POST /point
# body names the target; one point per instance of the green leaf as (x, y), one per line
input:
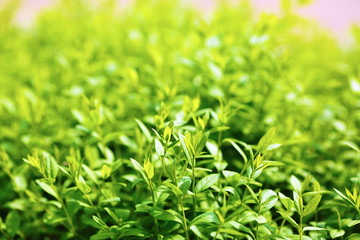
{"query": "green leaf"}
(207, 182)
(159, 148)
(343, 196)
(185, 148)
(353, 223)
(138, 233)
(102, 235)
(298, 202)
(205, 218)
(354, 236)
(289, 219)
(201, 144)
(295, 183)
(91, 173)
(174, 189)
(105, 171)
(266, 140)
(184, 184)
(139, 168)
(112, 214)
(312, 204)
(351, 145)
(123, 213)
(232, 232)
(268, 199)
(165, 215)
(12, 223)
(287, 202)
(144, 130)
(252, 193)
(335, 233)
(149, 169)
(197, 232)
(239, 150)
(65, 172)
(242, 228)
(306, 182)
(46, 187)
(314, 229)
(110, 200)
(100, 222)
(81, 184)
(51, 169)
(20, 183)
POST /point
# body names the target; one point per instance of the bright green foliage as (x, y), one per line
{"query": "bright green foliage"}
(155, 122)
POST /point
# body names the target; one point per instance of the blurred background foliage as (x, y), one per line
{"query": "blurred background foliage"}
(82, 74)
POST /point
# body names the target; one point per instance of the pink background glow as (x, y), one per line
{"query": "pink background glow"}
(335, 15)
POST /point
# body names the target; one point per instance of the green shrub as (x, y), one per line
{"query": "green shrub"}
(155, 122)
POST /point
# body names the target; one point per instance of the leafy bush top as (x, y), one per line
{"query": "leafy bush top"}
(153, 122)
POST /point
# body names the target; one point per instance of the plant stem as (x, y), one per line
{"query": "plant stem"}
(68, 217)
(300, 228)
(162, 163)
(92, 205)
(219, 149)
(185, 223)
(257, 225)
(193, 188)
(281, 226)
(5, 234)
(218, 231)
(155, 220)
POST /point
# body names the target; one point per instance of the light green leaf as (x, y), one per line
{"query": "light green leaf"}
(105, 171)
(312, 204)
(298, 202)
(268, 199)
(207, 182)
(184, 184)
(335, 233)
(252, 193)
(185, 149)
(112, 214)
(81, 184)
(205, 218)
(100, 222)
(351, 145)
(46, 187)
(197, 232)
(242, 228)
(314, 229)
(144, 130)
(20, 183)
(201, 144)
(139, 168)
(165, 215)
(287, 202)
(174, 189)
(295, 183)
(266, 140)
(90, 173)
(110, 200)
(239, 150)
(232, 232)
(289, 219)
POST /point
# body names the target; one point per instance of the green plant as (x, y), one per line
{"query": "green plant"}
(155, 122)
